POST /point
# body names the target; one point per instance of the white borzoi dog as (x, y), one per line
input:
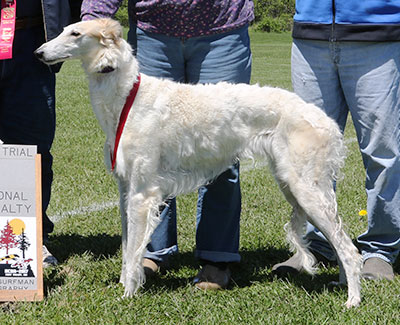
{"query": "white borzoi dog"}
(178, 137)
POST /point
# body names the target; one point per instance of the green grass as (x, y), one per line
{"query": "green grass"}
(84, 288)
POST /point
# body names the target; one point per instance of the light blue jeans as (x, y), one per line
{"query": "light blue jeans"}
(362, 78)
(208, 59)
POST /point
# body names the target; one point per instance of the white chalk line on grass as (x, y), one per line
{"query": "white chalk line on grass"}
(96, 207)
(245, 167)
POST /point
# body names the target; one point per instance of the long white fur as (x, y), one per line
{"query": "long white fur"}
(179, 137)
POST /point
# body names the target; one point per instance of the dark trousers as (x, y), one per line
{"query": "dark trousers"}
(27, 105)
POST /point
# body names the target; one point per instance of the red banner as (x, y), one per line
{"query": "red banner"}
(7, 27)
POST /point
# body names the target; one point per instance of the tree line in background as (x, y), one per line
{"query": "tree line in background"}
(270, 15)
(273, 15)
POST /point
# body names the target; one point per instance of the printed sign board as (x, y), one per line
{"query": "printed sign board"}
(21, 269)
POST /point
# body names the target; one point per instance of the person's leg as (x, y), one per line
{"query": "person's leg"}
(27, 111)
(164, 239)
(160, 56)
(27, 106)
(371, 83)
(315, 79)
(225, 57)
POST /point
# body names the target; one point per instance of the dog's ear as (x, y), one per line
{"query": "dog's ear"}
(111, 33)
(110, 36)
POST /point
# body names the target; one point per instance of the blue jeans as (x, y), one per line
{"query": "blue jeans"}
(208, 59)
(27, 105)
(362, 78)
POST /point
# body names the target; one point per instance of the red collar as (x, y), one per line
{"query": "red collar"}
(122, 119)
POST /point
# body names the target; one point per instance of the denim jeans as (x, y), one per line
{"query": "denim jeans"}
(362, 78)
(208, 59)
(27, 105)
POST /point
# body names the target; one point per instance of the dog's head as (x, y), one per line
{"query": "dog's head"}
(97, 43)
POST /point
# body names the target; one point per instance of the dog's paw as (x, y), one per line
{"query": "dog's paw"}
(128, 293)
(353, 302)
(131, 288)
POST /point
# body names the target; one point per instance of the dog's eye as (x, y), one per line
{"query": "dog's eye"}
(75, 33)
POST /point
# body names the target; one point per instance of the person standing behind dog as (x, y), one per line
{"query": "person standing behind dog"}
(345, 57)
(27, 89)
(193, 42)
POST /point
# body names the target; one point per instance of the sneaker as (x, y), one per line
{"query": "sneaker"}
(48, 258)
(293, 265)
(376, 268)
(213, 276)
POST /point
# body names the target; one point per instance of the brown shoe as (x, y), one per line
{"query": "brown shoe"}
(376, 268)
(150, 267)
(215, 276)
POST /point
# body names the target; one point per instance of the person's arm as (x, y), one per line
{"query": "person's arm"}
(99, 8)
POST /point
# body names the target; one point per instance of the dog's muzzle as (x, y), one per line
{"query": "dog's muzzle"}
(39, 54)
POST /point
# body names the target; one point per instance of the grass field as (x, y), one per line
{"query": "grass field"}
(84, 288)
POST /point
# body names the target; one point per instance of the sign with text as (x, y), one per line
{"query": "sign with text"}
(21, 269)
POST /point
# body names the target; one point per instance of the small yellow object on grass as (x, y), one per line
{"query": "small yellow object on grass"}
(362, 213)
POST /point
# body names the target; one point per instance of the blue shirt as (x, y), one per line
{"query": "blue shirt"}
(347, 20)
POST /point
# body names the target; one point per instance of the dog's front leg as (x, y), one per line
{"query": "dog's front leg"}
(142, 219)
(123, 194)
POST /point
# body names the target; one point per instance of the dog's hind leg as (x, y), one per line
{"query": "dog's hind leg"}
(295, 235)
(142, 219)
(349, 259)
(305, 160)
(320, 206)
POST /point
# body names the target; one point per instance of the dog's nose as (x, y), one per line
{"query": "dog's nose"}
(38, 53)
